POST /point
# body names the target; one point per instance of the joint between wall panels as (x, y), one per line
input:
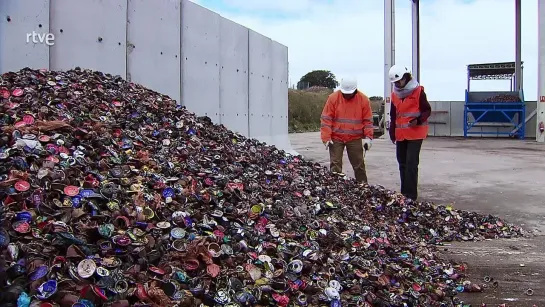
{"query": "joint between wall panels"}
(220, 104)
(127, 70)
(248, 81)
(49, 5)
(182, 53)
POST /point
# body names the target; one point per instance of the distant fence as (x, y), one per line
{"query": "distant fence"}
(213, 66)
(448, 120)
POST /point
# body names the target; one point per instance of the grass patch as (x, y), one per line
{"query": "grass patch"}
(305, 108)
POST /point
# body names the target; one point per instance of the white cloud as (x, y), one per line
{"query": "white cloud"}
(347, 38)
(283, 5)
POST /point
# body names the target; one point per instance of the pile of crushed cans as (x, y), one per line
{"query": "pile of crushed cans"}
(112, 195)
(503, 98)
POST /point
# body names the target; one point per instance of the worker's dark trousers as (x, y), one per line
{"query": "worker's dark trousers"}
(408, 153)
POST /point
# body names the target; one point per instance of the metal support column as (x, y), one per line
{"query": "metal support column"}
(518, 42)
(416, 39)
(540, 136)
(389, 55)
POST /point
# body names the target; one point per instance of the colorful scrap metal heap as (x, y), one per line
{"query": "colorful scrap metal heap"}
(114, 196)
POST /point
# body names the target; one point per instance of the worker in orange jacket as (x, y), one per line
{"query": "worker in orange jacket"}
(347, 121)
(409, 115)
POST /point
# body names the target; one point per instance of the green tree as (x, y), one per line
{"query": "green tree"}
(376, 98)
(323, 78)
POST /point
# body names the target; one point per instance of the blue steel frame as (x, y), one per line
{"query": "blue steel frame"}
(507, 109)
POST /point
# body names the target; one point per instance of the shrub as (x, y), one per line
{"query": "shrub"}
(304, 110)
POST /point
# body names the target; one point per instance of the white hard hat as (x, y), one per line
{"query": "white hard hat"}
(397, 72)
(348, 85)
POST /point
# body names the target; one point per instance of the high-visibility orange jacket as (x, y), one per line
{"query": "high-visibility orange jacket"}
(407, 110)
(346, 120)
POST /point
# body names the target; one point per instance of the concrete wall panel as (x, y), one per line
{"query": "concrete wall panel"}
(474, 130)
(456, 117)
(442, 127)
(153, 51)
(234, 76)
(24, 17)
(531, 125)
(493, 130)
(506, 129)
(201, 60)
(279, 79)
(89, 34)
(431, 130)
(260, 87)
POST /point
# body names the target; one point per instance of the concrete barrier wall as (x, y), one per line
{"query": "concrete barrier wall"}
(448, 120)
(209, 64)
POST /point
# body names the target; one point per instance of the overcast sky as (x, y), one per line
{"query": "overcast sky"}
(347, 37)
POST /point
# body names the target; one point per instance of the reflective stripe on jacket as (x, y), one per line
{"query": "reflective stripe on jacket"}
(346, 120)
(406, 110)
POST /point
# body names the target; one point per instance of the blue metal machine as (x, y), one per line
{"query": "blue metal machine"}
(505, 111)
